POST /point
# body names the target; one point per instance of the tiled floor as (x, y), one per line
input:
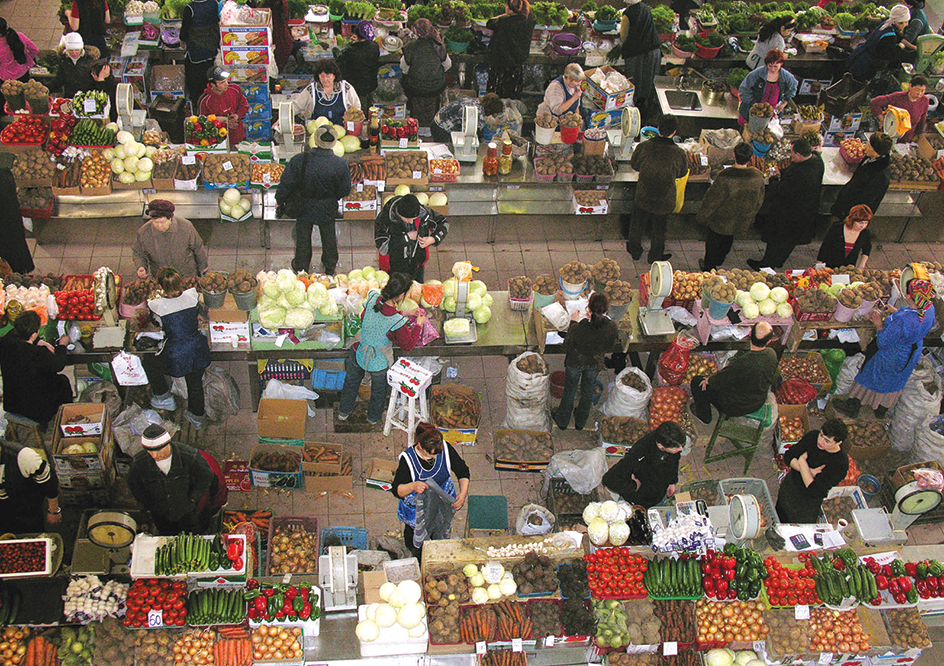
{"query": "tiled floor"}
(37, 19)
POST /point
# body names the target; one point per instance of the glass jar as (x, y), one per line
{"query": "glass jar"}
(490, 163)
(506, 160)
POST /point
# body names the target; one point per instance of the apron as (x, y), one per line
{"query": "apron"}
(560, 80)
(186, 349)
(331, 108)
(440, 473)
(375, 351)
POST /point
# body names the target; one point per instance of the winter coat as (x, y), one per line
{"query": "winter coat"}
(359, 63)
(793, 202)
(390, 235)
(10, 69)
(752, 87)
(643, 35)
(899, 348)
(733, 200)
(656, 470)
(659, 163)
(13, 247)
(756, 57)
(174, 495)
(879, 50)
(74, 76)
(425, 75)
(180, 246)
(867, 186)
(325, 180)
(511, 39)
(200, 30)
(32, 385)
(229, 103)
(833, 250)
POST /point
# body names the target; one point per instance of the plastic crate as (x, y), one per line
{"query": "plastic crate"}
(292, 523)
(355, 538)
(757, 488)
(708, 490)
(327, 380)
(558, 489)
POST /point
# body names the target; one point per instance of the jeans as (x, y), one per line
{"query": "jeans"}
(717, 247)
(379, 390)
(329, 239)
(154, 369)
(586, 378)
(637, 226)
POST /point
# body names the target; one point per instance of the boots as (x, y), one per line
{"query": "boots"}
(848, 407)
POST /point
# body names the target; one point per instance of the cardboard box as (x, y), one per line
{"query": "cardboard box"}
(263, 478)
(84, 482)
(790, 411)
(259, 110)
(328, 476)
(162, 77)
(236, 473)
(370, 582)
(81, 411)
(380, 474)
(250, 74)
(255, 36)
(255, 92)
(282, 419)
(101, 462)
(395, 111)
(229, 325)
(259, 17)
(601, 209)
(246, 55)
(83, 498)
(607, 101)
(848, 123)
(606, 119)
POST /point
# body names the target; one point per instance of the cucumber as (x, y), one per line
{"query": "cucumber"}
(14, 606)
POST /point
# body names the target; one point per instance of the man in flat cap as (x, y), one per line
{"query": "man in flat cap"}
(168, 240)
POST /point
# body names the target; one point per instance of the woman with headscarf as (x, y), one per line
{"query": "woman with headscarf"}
(848, 243)
(13, 247)
(900, 341)
(17, 55)
(508, 48)
(328, 95)
(774, 35)
(359, 62)
(883, 49)
(424, 65)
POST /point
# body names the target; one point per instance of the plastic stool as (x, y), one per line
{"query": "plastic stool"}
(744, 436)
(487, 516)
(22, 430)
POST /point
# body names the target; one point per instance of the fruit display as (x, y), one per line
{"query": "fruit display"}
(519, 288)
(455, 406)
(908, 168)
(226, 168)
(444, 594)
(545, 285)
(443, 170)
(625, 430)
(575, 272)
(523, 446)
(114, 645)
(272, 603)
(170, 598)
(89, 132)
(666, 578)
(719, 290)
(406, 165)
(234, 205)
(815, 300)
(666, 404)
(33, 165)
(612, 625)
(545, 618)
(96, 171)
(394, 130)
(734, 573)
(605, 270)
(572, 577)
(24, 130)
(187, 553)
(687, 286)
(590, 197)
(811, 368)
(27, 556)
(906, 629)
(837, 631)
(792, 429)
(841, 576)
(88, 599)
(615, 573)
(205, 130)
(853, 150)
(700, 365)
(89, 103)
(677, 620)
(730, 621)
(809, 112)
(535, 574)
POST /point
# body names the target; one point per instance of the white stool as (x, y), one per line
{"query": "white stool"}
(407, 406)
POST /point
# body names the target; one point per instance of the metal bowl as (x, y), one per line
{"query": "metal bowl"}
(713, 92)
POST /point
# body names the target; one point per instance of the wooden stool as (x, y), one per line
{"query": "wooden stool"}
(405, 412)
(23, 430)
(487, 516)
(744, 436)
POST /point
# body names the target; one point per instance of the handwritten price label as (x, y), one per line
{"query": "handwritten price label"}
(403, 143)
(417, 175)
(155, 618)
(227, 166)
(188, 159)
(516, 645)
(480, 648)
(801, 612)
(670, 649)
(88, 105)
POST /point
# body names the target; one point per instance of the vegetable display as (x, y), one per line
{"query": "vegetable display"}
(841, 577)
(271, 603)
(293, 550)
(787, 586)
(169, 598)
(23, 557)
(24, 130)
(535, 574)
(89, 132)
(734, 573)
(75, 645)
(612, 625)
(615, 573)
(837, 631)
(276, 643)
(677, 620)
(545, 618)
(89, 103)
(484, 591)
(216, 606)
(573, 580)
(666, 578)
(10, 601)
(625, 430)
(88, 599)
(667, 404)
(114, 644)
(205, 130)
(193, 553)
(730, 621)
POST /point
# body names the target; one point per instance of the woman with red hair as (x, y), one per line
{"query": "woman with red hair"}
(848, 243)
(768, 83)
(427, 467)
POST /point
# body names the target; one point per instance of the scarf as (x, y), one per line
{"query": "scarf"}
(922, 293)
(425, 29)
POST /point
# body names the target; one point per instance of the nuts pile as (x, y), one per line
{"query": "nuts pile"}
(402, 164)
(719, 290)
(619, 292)
(605, 270)
(575, 272)
(590, 197)
(545, 285)
(96, 172)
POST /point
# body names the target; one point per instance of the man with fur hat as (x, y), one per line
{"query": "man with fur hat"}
(167, 239)
(315, 180)
(170, 479)
(75, 66)
(403, 232)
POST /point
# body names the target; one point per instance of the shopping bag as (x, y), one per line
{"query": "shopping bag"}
(680, 184)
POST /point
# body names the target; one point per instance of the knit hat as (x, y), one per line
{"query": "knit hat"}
(325, 137)
(160, 208)
(409, 206)
(155, 438)
(898, 14)
(73, 42)
(366, 30)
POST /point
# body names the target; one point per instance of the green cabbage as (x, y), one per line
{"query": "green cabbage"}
(273, 317)
(299, 318)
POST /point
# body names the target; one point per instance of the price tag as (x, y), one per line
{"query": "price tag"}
(155, 618)
(188, 159)
(548, 641)
(512, 187)
(670, 649)
(437, 171)
(350, 126)
(403, 142)
(704, 160)
(825, 658)
(227, 166)
(149, 191)
(417, 175)
(516, 645)
(360, 187)
(493, 572)
(480, 648)
(760, 647)
(286, 579)
(801, 613)
(266, 179)
(88, 105)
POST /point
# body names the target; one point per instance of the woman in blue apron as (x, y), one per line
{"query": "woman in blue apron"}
(883, 48)
(563, 94)
(428, 461)
(328, 96)
(185, 353)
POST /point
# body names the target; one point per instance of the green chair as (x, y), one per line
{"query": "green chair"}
(487, 516)
(744, 436)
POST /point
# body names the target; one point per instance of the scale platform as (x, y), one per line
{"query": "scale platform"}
(117, 528)
(463, 149)
(656, 322)
(875, 527)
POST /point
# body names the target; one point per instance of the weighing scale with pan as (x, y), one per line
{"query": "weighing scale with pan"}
(653, 319)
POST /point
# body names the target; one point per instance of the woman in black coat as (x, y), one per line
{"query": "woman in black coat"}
(13, 248)
(508, 49)
(359, 62)
(870, 180)
(848, 243)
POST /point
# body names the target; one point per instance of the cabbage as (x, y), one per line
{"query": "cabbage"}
(487, 300)
(397, 600)
(387, 588)
(785, 310)
(142, 176)
(742, 298)
(299, 318)
(508, 586)
(226, 209)
(367, 631)
(449, 304)
(341, 132)
(272, 317)
(598, 530)
(150, 151)
(338, 149)
(401, 190)
(482, 314)
(591, 511)
(477, 287)
(750, 310)
(367, 272)
(145, 164)
(438, 199)
(109, 154)
(767, 307)
(418, 631)
(371, 611)
(351, 143)
(494, 592)
(120, 152)
(423, 198)
(456, 328)
(470, 570)
(450, 287)
(127, 177)
(479, 596)
(718, 657)
(231, 196)
(296, 297)
(117, 166)
(411, 592)
(270, 288)
(609, 511)
(759, 291)
(356, 274)
(477, 580)
(474, 301)
(124, 137)
(131, 163)
(382, 278)
(386, 616)
(745, 657)
(779, 295)
(285, 280)
(619, 533)
(410, 615)
(329, 309)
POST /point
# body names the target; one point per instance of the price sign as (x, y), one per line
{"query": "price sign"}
(704, 160)
(548, 641)
(403, 142)
(360, 187)
(825, 658)
(149, 191)
(417, 175)
(155, 618)
(437, 171)
(516, 645)
(266, 179)
(188, 159)
(760, 647)
(227, 166)
(670, 649)
(493, 572)
(512, 187)
(88, 105)
(286, 579)
(801, 613)
(480, 648)
(350, 126)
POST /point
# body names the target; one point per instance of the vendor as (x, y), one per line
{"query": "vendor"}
(817, 464)
(563, 94)
(449, 118)
(359, 62)
(917, 26)
(29, 492)
(427, 467)
(403, 233)
(104, 81)
(912, 100)
(75, 66)
(648, 472)
(775, 34)
(883, 48)
(848, 243)
(169, 479)
(769, 83)
(226, 101)
(869, 182)
(327, 96)
(168, 240)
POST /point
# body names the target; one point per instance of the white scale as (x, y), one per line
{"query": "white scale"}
(622, 139)
(337, 577)
(744, 518)
(129, 118)
(911, 502)
(289, 146)
(465, 144)
(653, 319)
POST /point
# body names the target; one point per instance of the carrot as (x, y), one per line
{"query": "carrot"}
(31, 652)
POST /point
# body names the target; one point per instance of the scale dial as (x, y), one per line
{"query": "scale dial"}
(630, 122)
(919, 502)
(111, 529)
(744, 517)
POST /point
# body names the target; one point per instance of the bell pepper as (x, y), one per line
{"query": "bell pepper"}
(839, 564)
(269, 592)
(912, 596)
(305, 612)
(297, 604)
(921, 570)
(874, 567)
(291, 592)
(232, 550)
(881, 582)
(252, 584)
(304, 593)
(251, 594)
(905, 584)
(898, 568)
(936, 568)
(911, 569)
(259, 603)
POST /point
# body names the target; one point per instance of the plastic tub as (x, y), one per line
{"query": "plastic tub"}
(617, 312)
(543, 135)
(869, 485)
(844, 313)
(716, 309)
(571, 290)
(542, 300)
(570, 134)
(245, 300)
(757, 123)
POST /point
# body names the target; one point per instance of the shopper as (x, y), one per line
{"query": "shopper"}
(75, 66)
(426, 469)
(817, 464)
(648, 472)
(900, 339)
(168, 479)
(917, 26)
(870, 180)
(403, 233)
(281, 32)
(775, 34)
(167, 239)
(848, 243)
(642, 55)
(508, 48)
(729, 206)
(17, 55)
(226, 100)
(382, 326)
(30, 366)
(316, 180)
(450, 117)
(186, 352)
(424, 65)
(564, 93)
(912, 100)
(741, 386)
(769, 83)
(13, 247)
(327, 96)
(660, 164)
(793, 204)
(883, 49)
(108, 84)
(200, 39)
(29, 491)
(587, 341)
(360, 61)
(90, 18)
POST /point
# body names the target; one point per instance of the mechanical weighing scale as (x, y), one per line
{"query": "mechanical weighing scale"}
(129, 118)
(653, 320)
(103, 541)
(337, 578)
(288, 145)
(465, 144)
(622, 139)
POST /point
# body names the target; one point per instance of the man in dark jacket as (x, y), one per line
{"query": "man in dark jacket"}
(656, 457)
(200, 38)
(403, 232)
(793, 205)
(169, 479)
(32, 385)
(359, 62)
(741, 386)
(869, 183)
(659, 163)
(26, 480)
(730, 206)
(320, 178)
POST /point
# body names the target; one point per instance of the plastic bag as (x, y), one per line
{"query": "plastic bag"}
(928, 441)
(624, 400)
(795, 391)
(103, 393)
(847, 372)
(920, 399)
(277, 389)
(558, 316)
(534, 519)
(130, 424)
(428, 332)
(526, 397)
(929, 478)
(673, 362)
(583, 469)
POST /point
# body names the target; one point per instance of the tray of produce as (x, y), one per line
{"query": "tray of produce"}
(535, 575)
(788, 585)
(842, 581)
(20, 558)
(906, 629)
(615, 573)
(623, 431)
(896, 581)
(524, 450)
(734, 624)
(460, 331)
(669, 579)
(216, 606)
(199, 556)
(746, 581)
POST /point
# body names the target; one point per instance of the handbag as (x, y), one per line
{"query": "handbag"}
(294, 206)
(680, 184)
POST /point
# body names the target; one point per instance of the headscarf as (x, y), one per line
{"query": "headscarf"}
(898, 14)
(425, 29)
(366, 30)
(922, 292)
